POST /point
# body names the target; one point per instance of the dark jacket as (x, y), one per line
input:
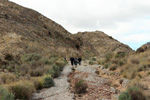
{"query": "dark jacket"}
(75, 61)
(72, 59)
(79, 59)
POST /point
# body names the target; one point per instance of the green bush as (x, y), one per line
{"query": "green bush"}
(120, 55)
(48, 62)
(22, 89)
(48, 81)
(121, 63)
(106, 66)
(5, 94)
(124, 96)
(132, 93)
(108, 57)
(91, 63)
(80, 86)
(136, 93)
(53, 56)
(94, 59)
(54, 71)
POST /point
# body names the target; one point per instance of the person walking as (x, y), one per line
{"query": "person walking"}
(72, 61)
(75, 61)
(79, 59)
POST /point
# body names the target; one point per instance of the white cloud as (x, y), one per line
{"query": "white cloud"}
(125, 20)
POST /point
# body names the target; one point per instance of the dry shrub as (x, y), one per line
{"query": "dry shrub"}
(7, 77)
(91, 63)
(115, 61)
(99, 62)
(94, 59)
(136, 93)
(60, 64)
(37, 68)
(113, 67)
(134, 61)
(24, 69)
(80, 86)
(22, 89)
(133, 93)
(31, 57)
(130, 74)
(120, 55)
(138, 84)
(38, 82)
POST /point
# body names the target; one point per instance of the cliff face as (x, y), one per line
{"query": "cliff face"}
(24, 31)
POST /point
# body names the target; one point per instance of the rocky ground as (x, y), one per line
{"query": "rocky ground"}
(99, 88)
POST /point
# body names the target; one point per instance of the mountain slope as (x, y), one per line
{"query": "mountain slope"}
(144, 48)
(23, 30)
(103, 43)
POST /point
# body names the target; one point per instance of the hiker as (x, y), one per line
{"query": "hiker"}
(72, 60)
(79, 59)
(65, 59)
(75, 61)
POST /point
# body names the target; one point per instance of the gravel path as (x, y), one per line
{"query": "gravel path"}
(98, 87)
(60, 91)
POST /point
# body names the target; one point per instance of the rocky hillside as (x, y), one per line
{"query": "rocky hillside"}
(144, 48)
(24, 31)
(103, 43)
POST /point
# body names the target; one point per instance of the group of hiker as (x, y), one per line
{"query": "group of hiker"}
(75, 61)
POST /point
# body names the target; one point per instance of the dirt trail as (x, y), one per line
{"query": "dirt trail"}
(98, 87)
(60, 91)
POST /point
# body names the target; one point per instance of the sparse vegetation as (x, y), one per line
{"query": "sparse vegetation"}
(48, 81)
(125, 96)
(113, 67)
(54, 71)
(38, 82)
(94, 59)
(91, 63)
(31, 57)
(7, 77)
(106, 66)
(5, 94)
(134, 92)
(24, 74)
(61, 64)
(80, 86)
(22, 89)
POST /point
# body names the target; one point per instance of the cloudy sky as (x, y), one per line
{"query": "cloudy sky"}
(126, 20)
